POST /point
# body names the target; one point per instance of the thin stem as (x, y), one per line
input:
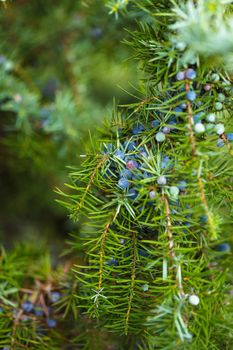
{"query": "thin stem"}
(191, 123)
(101, 252)
(133, 275)
(171, 245)
(99, 165)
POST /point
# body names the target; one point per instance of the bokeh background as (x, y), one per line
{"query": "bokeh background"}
(61, 64)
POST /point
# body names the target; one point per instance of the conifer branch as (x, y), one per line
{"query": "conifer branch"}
(92, 177)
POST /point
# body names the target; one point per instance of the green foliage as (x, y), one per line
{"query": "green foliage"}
(147, 256)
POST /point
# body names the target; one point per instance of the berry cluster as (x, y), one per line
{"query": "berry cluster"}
(41, 311)
(205, 116)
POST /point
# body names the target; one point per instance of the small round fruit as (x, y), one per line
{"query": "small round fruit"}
(190, 74)
(180, 76)
(191, 95)
(199, 128)
(160, 137)
(123, 183)
(211, 118)
(218, 106)
(194, 300)
(219, 128)
(162, 180)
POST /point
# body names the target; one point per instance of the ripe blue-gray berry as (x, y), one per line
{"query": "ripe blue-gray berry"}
(126, 174)
(182, 185)
(27, 306)
(130, 146)
(166, 130)
(51, 323)
(123, 183)
(230, 136)
(180, 76)
(155, 123)
(191, 95)
(220, 143)
(55, 296)
(38, 311)
(152, 194)
(162, 180)
(223, 247)
(137, 129)
(190, 74)
(119, 154)
(132, 193)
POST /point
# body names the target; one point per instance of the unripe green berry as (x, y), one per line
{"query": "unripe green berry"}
(221, 97)
(215, 77)
(160, 137)
(218, 106)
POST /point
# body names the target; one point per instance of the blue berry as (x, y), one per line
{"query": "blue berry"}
(119, 154)
(160, 137)
(152, 194)
(182, 185)
(137, 129)
(132, 194)
(162, 180)
(203, 219)
(147, 175)
(1, 310)
(108, 148)
(51, 323)
(165, 162)
(223, 247)
(27, 306)
(230, 136)
(183, 105)
(155, 123)
(191, 95)
(38, 311)
(142, 252)
(132, 164)
(55, 296)
(190, 74)
(220, 143)
(178, 109)
(113, 262)
(130, 145)
(197, 117)
(126, 174)
(166, 130)
(123, 183)
(180, 76)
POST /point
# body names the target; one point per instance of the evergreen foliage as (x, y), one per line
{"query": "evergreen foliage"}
(149, 265)
(156, 192)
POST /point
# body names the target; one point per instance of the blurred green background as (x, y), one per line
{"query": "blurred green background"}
(61, 64)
